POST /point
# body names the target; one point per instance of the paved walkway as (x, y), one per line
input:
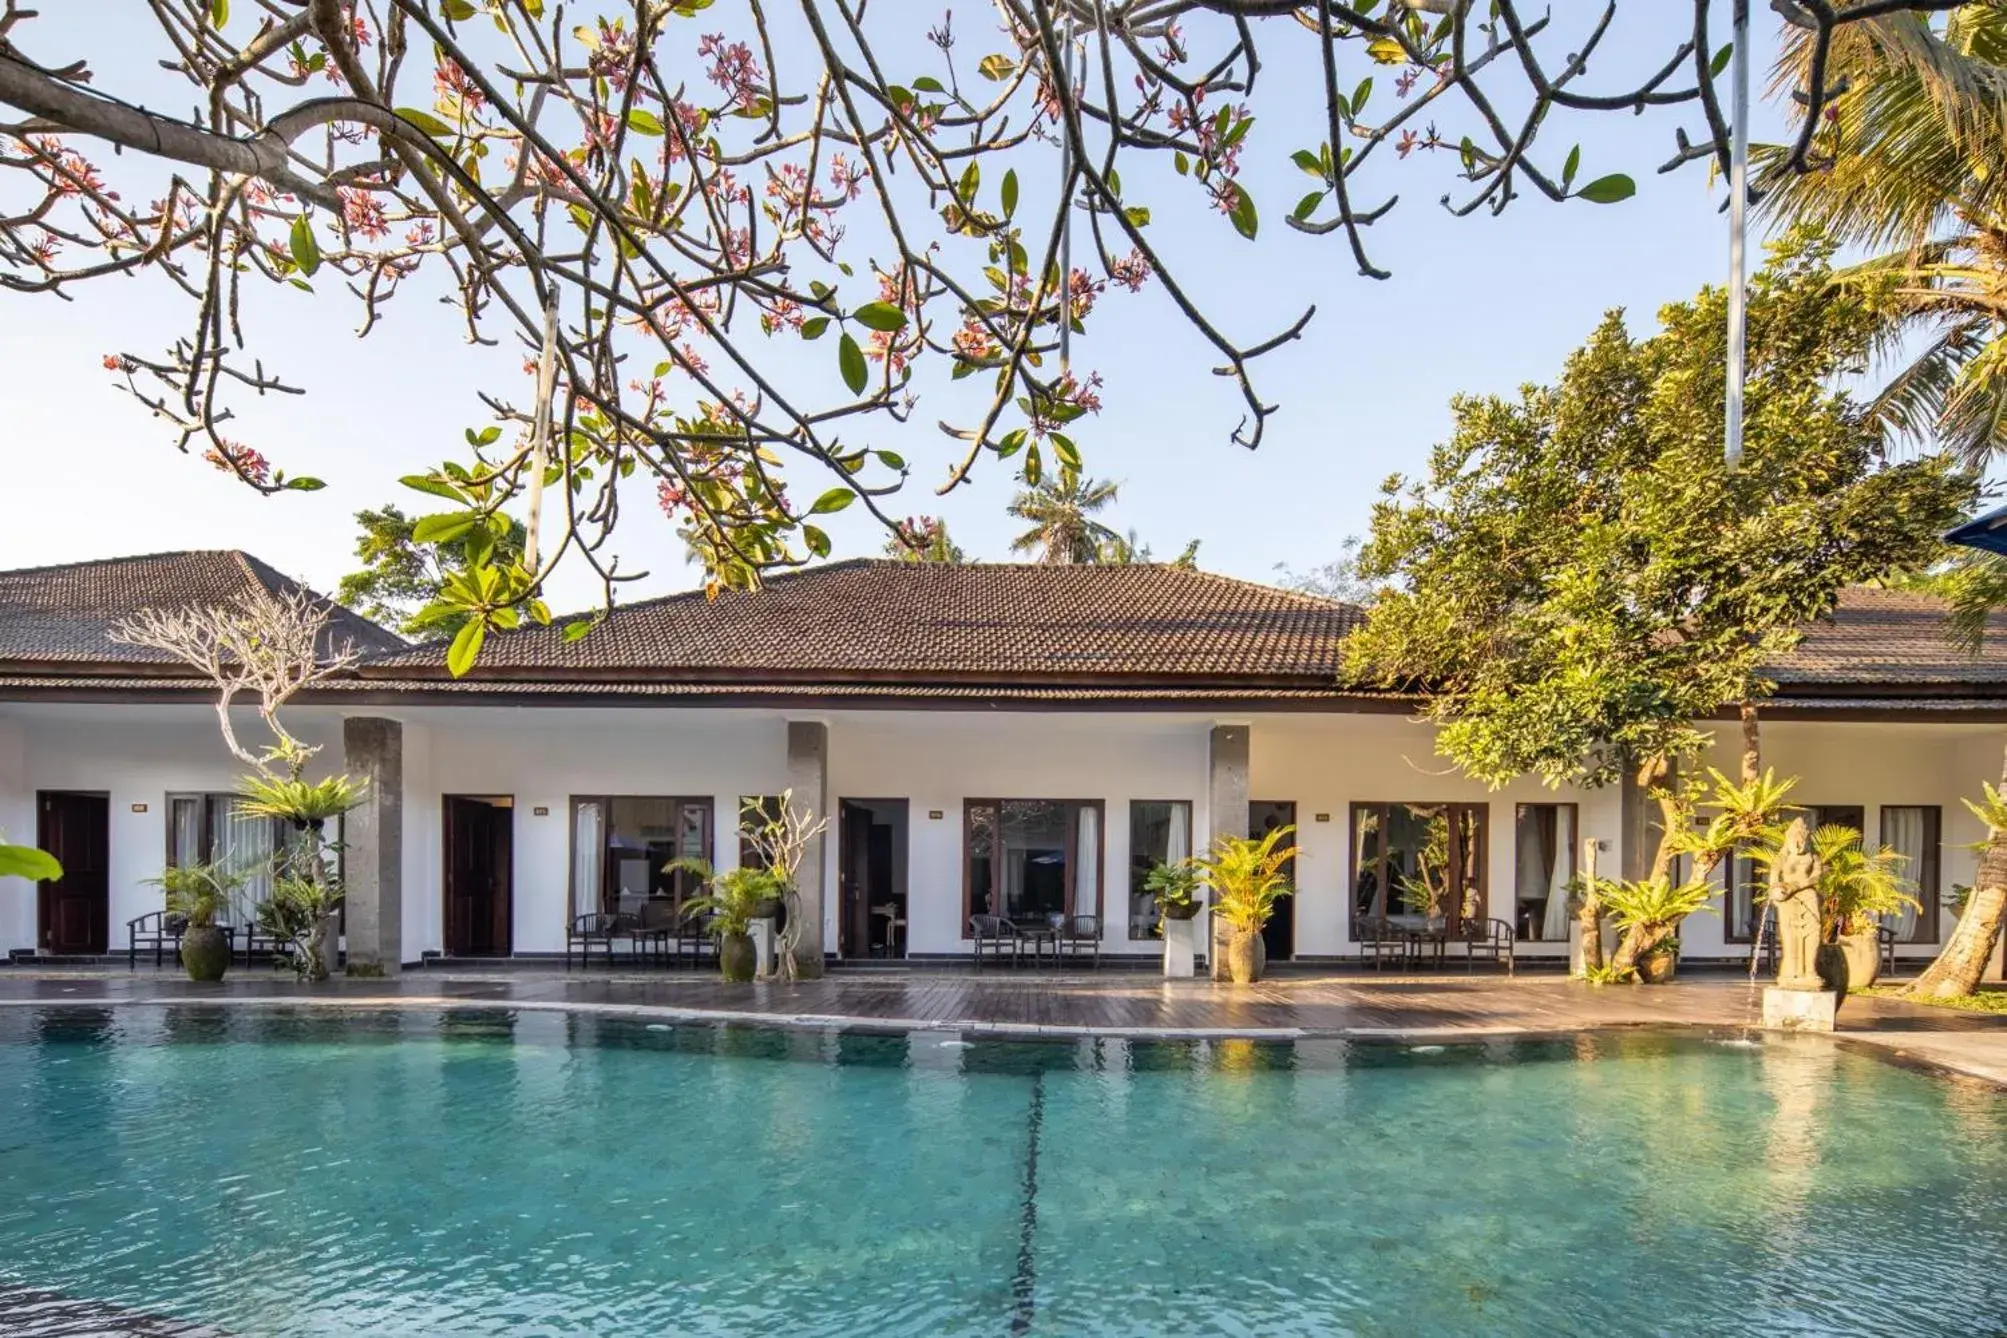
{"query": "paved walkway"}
(1019, 1003)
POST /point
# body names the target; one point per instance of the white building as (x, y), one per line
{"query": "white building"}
(1014, 739)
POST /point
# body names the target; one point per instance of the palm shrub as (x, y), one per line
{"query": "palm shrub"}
(198, 892)
(1649, 911)
(1247, 877)
(732, 899)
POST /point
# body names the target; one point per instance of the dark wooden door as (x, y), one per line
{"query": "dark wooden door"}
(75, 910)
(854, 880)
(1278, 936)
(480, 913)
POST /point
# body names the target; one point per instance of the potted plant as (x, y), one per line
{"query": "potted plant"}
(197, 894)
(1247, 878)
(1175, 889)
(1649, 911)
(734, 899)
(1858, 889)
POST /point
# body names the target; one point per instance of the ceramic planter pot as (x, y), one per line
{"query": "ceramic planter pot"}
(1246, 958)
(1864, 958)
(1658, 966)
(769, 908)
(1835, 969)
(205, 952)
(736, 958)
(1188, 911)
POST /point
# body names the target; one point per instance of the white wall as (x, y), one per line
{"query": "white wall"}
(937, 761)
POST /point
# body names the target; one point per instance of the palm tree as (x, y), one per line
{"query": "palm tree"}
(1063, 528)
(924, 539)
(1915, 149)
(1913, 173)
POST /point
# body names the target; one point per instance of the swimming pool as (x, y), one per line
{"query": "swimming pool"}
(305, 1172)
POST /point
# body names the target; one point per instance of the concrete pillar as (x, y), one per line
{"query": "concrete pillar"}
(808, 777)
(1227, 788)
(373, 753)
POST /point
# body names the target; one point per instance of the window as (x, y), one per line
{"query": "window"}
(621, 846)
(755, 810)
(215, 829)
(1748, 885)
(1420, 864)
(1914, 832)
(1160, 832)
(1032, 861)
(1543, 842)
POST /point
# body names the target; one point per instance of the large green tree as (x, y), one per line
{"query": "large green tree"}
(400, 577)
(1578, 579)
(1061, 513)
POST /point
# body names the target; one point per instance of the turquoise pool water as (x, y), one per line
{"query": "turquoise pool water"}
(526, 1173)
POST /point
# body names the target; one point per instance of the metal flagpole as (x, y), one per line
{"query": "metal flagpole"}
(540, 430)
(1738, 227)
(1066, 216)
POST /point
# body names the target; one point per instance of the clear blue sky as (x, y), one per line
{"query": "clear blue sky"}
(1477, 304)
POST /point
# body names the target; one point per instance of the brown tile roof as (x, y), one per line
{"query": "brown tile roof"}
(869, 619)
(1890, 637)
(66, 613)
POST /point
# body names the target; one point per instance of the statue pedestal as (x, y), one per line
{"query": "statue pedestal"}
(1181, 947)
(767, 961)
(1799, 1010)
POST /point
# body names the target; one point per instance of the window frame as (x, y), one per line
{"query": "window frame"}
(1128, 926)
(1929, 882)
(970, 805)
(1482, 808)
(1572, 853)
(606, 802)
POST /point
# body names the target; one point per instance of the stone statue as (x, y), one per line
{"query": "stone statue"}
(1794, 894)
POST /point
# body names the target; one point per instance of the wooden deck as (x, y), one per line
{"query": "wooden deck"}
(1445, 1006)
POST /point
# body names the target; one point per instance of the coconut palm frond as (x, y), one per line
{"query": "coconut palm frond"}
(1063, 527)
(1973, 423)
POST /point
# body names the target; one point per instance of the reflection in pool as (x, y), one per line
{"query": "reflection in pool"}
(300, 1172)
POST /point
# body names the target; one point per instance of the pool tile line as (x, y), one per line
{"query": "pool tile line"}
(1024, 1282)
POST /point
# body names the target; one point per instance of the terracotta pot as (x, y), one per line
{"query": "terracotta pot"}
(1835, 968)
(1245, 957)
(1864, 958)
(1658, 966)
(205, 951)
(736, 958)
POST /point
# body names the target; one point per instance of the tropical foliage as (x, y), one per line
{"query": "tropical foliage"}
(1175, 888)
(1061, 514)
(1247, 876)
(401, 580)
(732, 899)
(28, 862)
(199, 892)
(923, 539)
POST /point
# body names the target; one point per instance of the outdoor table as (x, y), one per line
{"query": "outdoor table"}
(1038, 936)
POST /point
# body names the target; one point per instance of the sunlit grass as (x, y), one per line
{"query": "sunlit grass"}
(1986, 999)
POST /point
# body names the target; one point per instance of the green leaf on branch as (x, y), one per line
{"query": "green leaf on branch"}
(813, 327)
(1010, 192)
(927, 83)
(219, 13)
(850, 361)
(1714, 67)
(576, 630)
(996, 67)
(832, 501)
(1568, 170)
(466, 647)
(880, 316)
(444, 527)
(643, 121)
(1068, 453)
(306, 248)
(425, 121)
(1306, 206)
(1309, 162)
(1244, 220)
(1387, 51)
(1138, 216)
(1609, 189)
(28, 862)
(817, 541)
(305, 483)
(435, 487)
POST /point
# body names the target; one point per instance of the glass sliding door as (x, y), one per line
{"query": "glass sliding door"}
(1912, 831)
(1420, 864)
(1160, 832)
(622, 846)
(1032, 861)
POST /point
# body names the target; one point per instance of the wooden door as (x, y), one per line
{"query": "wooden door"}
(74, 911)
(480, 910)
(854, 881)
(1278, 936)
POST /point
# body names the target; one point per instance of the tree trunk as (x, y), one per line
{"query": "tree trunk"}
(1638, 939)
(1589, 915)
(1962, 961)
(1752, 755)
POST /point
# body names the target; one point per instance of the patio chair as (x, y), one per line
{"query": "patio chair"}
(1082, 931)
(1489, 940)
(1887, 936)
(694, 937)
(996, 933)
(586, 931)
(156, 930)
(651, 928)
(1380, 939)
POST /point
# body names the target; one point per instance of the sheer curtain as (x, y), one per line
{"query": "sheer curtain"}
(1087, 862)
(1555, 927)
(1535, 838)
(1903, 832)
(243, 842)
(588, 856)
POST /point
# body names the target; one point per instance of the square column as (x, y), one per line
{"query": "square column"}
(808, 777)
(1226, 802)
(373, 834)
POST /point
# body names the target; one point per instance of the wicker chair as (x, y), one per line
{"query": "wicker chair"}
(1381, 939)
(1082, 932)
(694, 938)
(996, 933)
(1489, 940)
(595, 928)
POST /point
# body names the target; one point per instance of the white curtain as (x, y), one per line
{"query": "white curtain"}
(243, 842)
(588, 847)
(1903, 832)
(1178, 845)
(1554, 928)
(1087, 863)
(1530, 877)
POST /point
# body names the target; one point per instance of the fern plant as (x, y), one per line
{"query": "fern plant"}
(1247, 877)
